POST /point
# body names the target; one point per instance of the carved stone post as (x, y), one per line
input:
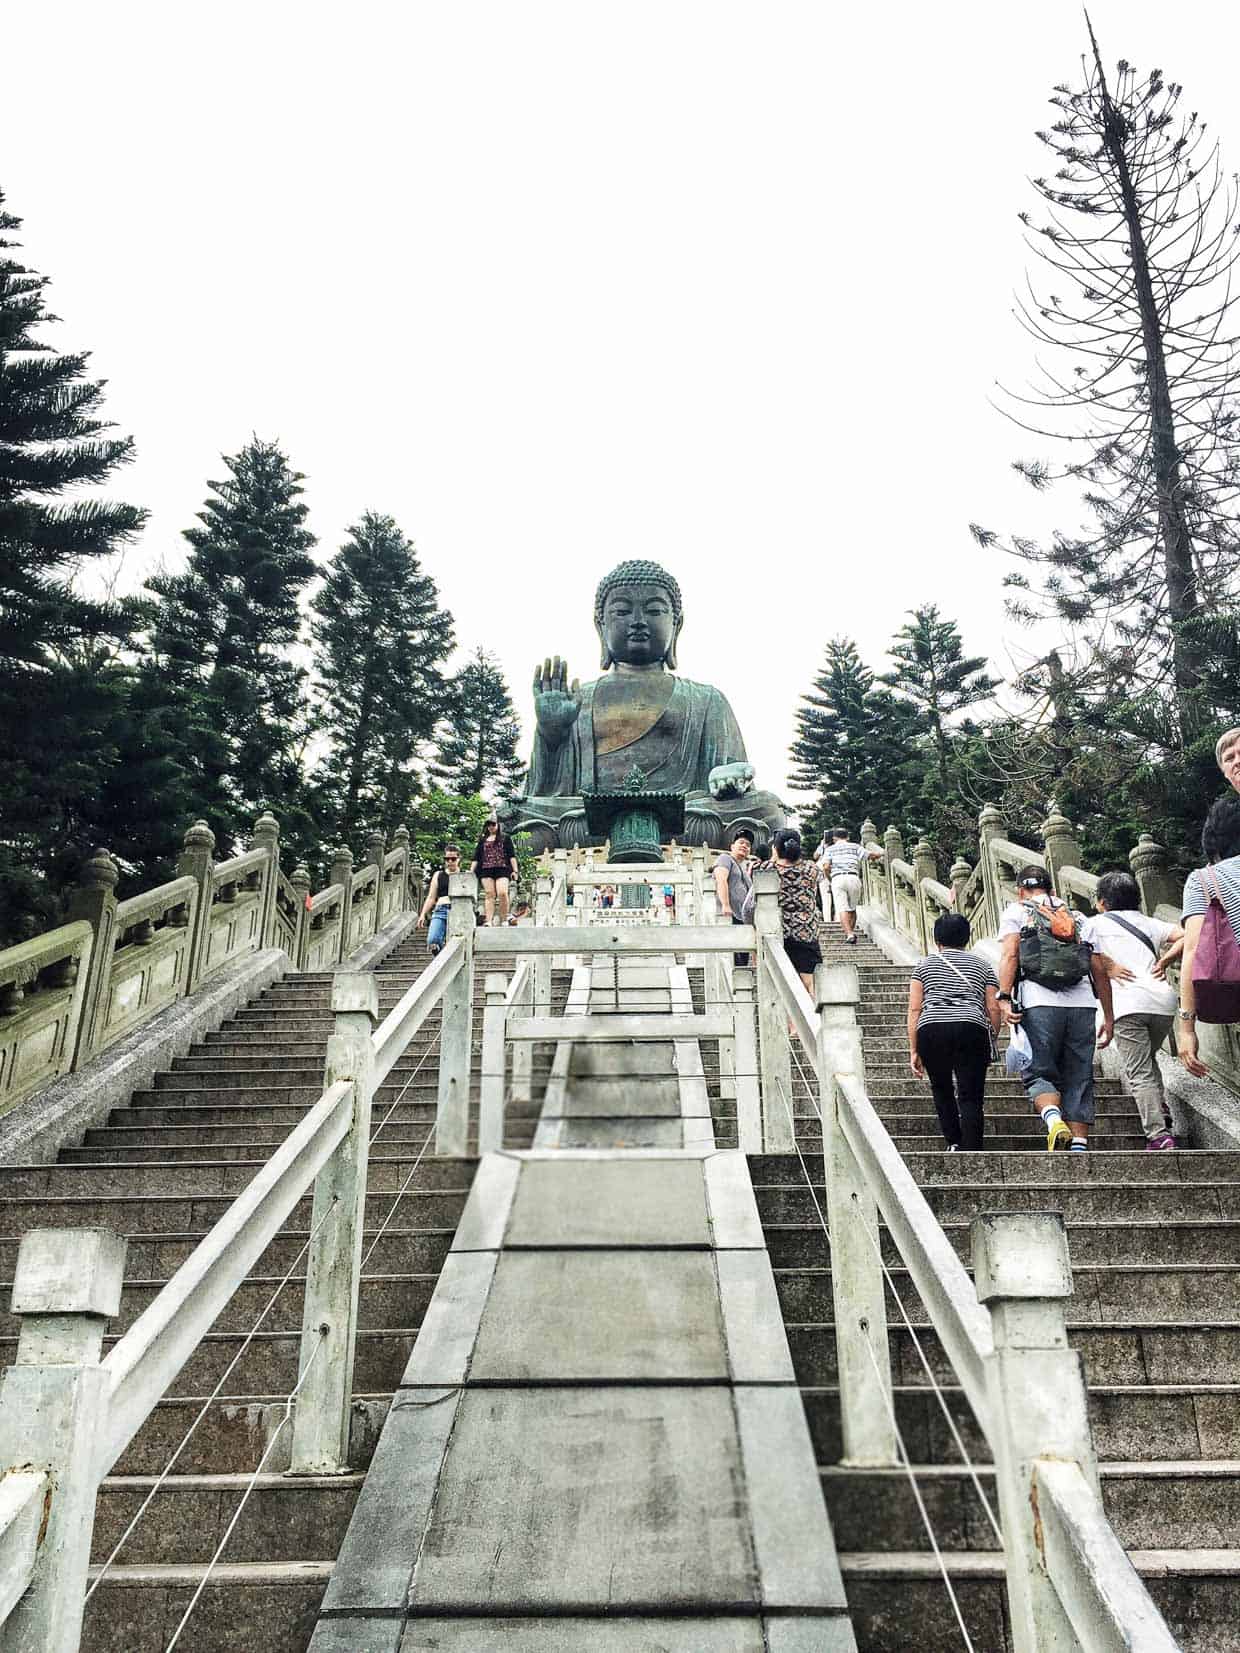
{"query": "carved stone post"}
(924, 866)
(1062, 848)
(266, 835)
(197, 862)
(863, 1356)
(775, 1058)
(745, 1063)
(341, 872)
(893, 849)
(375, 847)
(990, 825)
(1038, 1405)
(494, 1066)
(334, 1266)
(958, 877)
(542, 961)
(66, 1286)
(456, 1036)
(1151, 868)
(405, 900)
(94, 900)
(301, 942)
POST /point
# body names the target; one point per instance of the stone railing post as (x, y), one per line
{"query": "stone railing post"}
(1062, 849)
(522, 1086)
(456, 1035)
(266, 835)
(1151, 867)
(958, 878)
(494, 1074)
(53, 1402)
(990, 824)
(94, 899)
(301, 943)
(924, 866)
(400, 841)
(863, 1356)
(196, 862)
(340, 871)
(893, 849)
(775, 1059)
(745, 1063)
(338, 1220)
(874, 873)
(1038, 1407)
(542, 961)
(376, 846)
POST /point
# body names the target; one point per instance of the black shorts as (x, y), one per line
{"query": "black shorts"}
(495, 872)
(806, 956)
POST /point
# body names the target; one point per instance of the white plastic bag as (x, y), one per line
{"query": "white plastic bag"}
(1019, 1051)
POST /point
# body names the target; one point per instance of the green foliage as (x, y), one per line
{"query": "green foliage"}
(380, 638)
(447, 818)
(479, 733)
(61, 691)
(223, 635)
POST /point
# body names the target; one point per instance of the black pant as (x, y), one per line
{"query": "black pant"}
(956, 1055)
(739, 958)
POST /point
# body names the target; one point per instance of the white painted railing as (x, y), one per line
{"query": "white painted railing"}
(1069, 1582)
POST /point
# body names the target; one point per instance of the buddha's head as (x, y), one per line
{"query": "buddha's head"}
(638, 615)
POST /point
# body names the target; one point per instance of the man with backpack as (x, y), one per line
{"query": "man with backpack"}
(1045, 950)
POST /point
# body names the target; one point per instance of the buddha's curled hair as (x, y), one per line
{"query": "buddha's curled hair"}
(637, 571)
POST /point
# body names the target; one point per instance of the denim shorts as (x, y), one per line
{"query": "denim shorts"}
(1062, 1038)
(437, 934)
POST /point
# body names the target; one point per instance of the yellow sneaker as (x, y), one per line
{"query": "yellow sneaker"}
(1059, 1135)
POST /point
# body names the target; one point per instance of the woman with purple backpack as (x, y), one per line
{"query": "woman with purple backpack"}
(1210, 973)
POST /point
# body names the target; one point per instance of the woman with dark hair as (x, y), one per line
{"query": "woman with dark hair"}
(1220, 845)
(495, 863)
(953, 1017)
(798, 904)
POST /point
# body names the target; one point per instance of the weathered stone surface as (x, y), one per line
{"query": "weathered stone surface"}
(612, 1098)
(601, 1498)
(641, 1202)
(575, 1315)
(572, 1635)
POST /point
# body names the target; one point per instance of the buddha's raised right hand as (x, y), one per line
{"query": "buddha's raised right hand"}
(555, 705)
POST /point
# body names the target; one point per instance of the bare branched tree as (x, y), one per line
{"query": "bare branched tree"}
(1139, 390)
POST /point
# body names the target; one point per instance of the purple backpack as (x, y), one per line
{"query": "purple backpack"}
(1216, 962)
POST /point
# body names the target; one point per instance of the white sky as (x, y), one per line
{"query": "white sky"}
(556, 284)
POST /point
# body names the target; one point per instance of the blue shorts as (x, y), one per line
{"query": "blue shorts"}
(1063, 1039)
(437, 934)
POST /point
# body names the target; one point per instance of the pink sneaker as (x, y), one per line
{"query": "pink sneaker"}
(1163, 1140)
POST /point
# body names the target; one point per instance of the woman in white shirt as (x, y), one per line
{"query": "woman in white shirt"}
(1140, 949)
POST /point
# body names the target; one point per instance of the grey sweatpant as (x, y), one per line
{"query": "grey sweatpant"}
(1138, 1038)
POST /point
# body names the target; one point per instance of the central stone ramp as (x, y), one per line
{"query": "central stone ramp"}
(598, 1441)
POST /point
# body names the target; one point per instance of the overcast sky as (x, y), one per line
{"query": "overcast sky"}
(556, 284)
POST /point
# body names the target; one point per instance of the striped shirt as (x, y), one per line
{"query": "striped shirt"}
(844, 858)
(948, 999)
(1226, 876)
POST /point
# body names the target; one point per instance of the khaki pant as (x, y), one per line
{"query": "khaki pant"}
(846, 892)
(1138, 1038)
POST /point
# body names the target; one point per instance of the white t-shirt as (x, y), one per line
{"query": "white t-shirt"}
(1015, 917)
(1147, 994)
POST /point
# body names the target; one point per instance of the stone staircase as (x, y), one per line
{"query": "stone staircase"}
(1155, 1245)
(162, 1171)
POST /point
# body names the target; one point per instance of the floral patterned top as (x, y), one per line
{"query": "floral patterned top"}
(798, 899)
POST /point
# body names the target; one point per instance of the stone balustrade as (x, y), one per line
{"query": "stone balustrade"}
(67, 995)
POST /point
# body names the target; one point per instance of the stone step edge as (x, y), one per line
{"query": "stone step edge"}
(1112, 1469)
(223, 1573)
(914, 1564)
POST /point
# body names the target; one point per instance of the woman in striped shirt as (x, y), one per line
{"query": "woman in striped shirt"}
(953, 1012)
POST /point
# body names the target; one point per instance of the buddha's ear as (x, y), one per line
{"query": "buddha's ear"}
(671, 650)
(606, 660)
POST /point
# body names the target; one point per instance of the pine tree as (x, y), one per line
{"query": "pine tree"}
(933, 673)
(224, 633)
(380, 637)
(58, 690)
(479, 733)
(852, 746)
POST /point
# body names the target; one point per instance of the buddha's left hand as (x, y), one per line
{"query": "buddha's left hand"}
(730, 780)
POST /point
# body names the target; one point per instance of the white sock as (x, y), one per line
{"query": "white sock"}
(1050, 1113)
(1078, 1145)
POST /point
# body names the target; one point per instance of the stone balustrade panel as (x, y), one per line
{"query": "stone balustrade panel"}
(42, 984)
(151, 958)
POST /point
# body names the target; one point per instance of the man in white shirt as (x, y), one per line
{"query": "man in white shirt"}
(1140, 948)
(842, 860)
(1057, 1010)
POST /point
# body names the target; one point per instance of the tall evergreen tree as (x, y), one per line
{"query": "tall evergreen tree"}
(224, 634)
(479, 734)
(380, 638)
(933, 673)
(55, 638)
(852, 745)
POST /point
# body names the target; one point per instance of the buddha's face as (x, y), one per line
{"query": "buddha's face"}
(639, 624)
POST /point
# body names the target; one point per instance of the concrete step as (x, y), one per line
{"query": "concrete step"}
(138, 1608)
(234, 1433)
(285, 1518)
(147, 1213)
(1131, 1244)
(1076, 1196)
(197, 1177)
